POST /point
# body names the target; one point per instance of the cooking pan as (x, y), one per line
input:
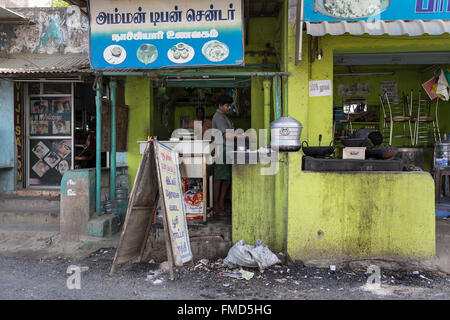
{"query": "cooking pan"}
(353, 142)
(317, 151)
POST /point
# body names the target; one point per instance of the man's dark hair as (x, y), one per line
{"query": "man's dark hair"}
(224, 99)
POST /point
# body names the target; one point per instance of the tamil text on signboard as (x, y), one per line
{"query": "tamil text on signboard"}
(156, 34)
(173, 202)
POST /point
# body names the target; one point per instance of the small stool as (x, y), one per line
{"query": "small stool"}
(438, 174)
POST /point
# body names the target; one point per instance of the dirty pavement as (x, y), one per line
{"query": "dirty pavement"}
(46, 279)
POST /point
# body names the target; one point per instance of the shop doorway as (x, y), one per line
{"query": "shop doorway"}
(178, 104)
(49, 132)
(59, 128)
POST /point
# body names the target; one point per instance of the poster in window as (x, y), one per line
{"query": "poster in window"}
(40, 150)
(49, 160)
(50, 116)
(52, 159)
(40, 168)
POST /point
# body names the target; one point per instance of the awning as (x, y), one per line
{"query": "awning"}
(44, 63)
(379, 27)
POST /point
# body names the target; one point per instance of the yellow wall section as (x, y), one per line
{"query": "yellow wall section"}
(335, 215)
(359, 214)
(138, 93)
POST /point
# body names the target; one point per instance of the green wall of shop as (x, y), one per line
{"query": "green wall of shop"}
(316, 200)
(138, 97)
(342, 215)
(259, 204)
(338, 215)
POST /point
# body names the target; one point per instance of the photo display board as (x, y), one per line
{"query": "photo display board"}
(50, 116)
(49, 160)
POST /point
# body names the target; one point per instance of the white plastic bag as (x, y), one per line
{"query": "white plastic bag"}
(442, 87)
(245, 255)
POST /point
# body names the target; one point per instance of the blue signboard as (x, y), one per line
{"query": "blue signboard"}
(154, 34)
(339, 10)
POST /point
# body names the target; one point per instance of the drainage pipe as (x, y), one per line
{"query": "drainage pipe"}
(98, 147)
(112, 172)
(267, 85)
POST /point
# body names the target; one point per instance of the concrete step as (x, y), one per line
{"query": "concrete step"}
(37, 192)
(15, 202)
(25, 229)
(103, 225)
(27, 217)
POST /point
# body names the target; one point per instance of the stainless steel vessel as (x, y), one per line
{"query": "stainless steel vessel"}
(285, 134)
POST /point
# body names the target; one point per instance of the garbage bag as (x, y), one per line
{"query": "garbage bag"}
(245, 255)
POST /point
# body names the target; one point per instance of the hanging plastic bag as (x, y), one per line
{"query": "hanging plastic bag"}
(245, 255)
(442, 87)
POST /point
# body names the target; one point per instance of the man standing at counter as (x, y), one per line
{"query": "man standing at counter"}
(206, 123)
(222, 171)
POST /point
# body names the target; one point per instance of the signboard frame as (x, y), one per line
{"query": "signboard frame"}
(141, 211)
(173, 255)
(94, 61)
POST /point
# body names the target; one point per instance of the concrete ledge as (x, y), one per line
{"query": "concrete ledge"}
(334, 215)
(104, 225)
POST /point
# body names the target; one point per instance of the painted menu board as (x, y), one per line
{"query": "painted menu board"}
(49, 160)
(155, 34)
(172, 196)
(338, 10)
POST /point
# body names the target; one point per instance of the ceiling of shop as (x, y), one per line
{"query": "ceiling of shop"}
(257, 8)
(416, 58)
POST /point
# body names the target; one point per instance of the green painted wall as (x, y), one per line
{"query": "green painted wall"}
(345, 215)
(138, 97)
(359, 214)
(259, 205)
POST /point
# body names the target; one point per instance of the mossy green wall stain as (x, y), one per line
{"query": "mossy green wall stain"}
(138, 97)
(259, 205)
(354, 215)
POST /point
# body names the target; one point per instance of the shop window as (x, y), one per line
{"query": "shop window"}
(58, 88)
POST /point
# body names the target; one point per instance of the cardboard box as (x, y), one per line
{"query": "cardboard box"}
(358, 153)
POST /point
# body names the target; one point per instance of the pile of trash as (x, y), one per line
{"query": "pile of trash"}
(241, 255)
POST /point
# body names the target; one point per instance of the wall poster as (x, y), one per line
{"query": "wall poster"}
(49, 160)
(50, 116)
(389, 87)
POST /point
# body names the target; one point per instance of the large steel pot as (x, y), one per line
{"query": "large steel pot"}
(285, 134)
